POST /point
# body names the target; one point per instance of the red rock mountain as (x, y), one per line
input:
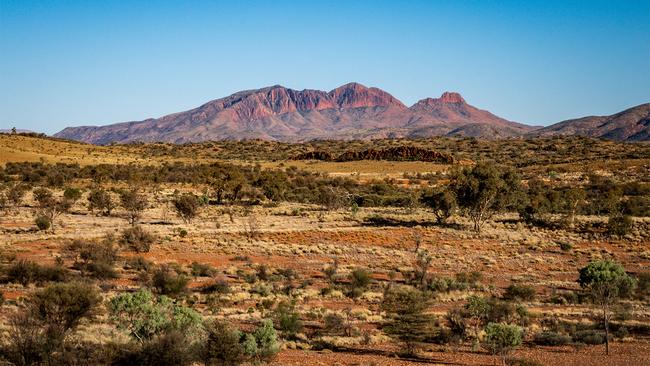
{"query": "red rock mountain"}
(632, 124)
(278, 113)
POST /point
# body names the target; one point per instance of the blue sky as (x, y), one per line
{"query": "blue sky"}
(67, 63)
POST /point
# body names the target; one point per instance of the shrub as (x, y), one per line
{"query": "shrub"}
(145, 316)
(502, 338)
(484, 189)
(643, 284)
(549, 338)
(137, 239)
(619, 225)
(222, 345)
(441, 202)
(96, 259)
(187, 206)
(39, 332)
(134, 203)
(49, 207)
(565, 246)
(288, 319)
(202, 270)
(166, 281)
(516, 292)
(591, 337)
(407, 320)
(63, 305)
(138, 263)
(72, 194)
(228, 346)
(42, 222)
(99, 199)
(26, 272)
(359, 281)
(168, 348)
(16, 193)
(334, 323)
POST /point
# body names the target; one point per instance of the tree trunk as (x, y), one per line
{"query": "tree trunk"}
(606, 331)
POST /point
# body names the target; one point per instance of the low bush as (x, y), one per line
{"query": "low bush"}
(516, 292)
(592, 337)
(166, 281)
(27, 272)
(619, 225)
(169, 348)
(42, 222)
(137, 239)
(287, 319)
(202, 270)
(549, 338)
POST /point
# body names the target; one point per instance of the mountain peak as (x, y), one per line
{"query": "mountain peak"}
(355, 95)
(451, 97)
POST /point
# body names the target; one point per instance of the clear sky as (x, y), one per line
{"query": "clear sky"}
(68, 63)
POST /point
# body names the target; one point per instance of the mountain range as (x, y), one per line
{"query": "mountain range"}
(351, 111)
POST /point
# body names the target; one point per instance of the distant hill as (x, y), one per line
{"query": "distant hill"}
(630, 125)
(352, 111)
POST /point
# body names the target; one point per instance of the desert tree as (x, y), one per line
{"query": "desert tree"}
(572, 199)
(187, 206)
(407, 318)
(501, 339)
(133, 203)
(441, 201)
(422, 264)
(49, 206)
(15, 194)
(485, 189)
(606, 282)
(101, 200)
(40, 330)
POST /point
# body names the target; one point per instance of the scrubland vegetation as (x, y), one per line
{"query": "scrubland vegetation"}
(521, 252)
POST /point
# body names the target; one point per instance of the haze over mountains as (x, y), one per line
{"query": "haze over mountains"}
(351, 111)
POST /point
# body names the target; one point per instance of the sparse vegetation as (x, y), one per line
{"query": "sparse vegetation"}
(337, 256)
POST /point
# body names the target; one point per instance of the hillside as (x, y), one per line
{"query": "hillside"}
(632, 124)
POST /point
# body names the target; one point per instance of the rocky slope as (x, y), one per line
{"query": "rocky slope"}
(351, 111)
(632, 124)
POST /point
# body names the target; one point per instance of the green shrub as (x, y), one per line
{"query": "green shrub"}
(144, 316)
(549, 338)
(288, 319)
(42, 222)
(502, 338)
(407, 320)
(359, 281)
(72, 194)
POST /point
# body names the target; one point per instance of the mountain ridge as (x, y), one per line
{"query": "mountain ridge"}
(350, 111)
